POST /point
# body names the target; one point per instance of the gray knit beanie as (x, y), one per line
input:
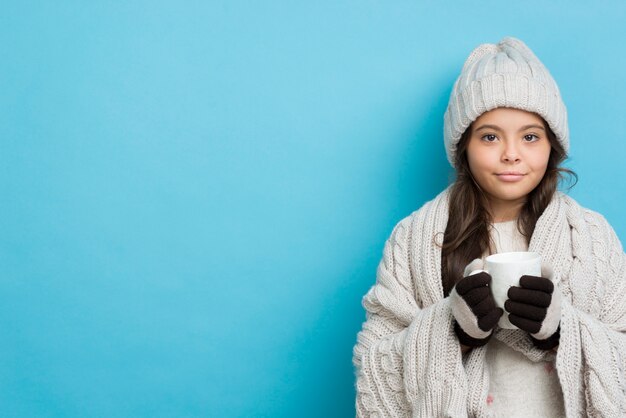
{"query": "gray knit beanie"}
(504, 75)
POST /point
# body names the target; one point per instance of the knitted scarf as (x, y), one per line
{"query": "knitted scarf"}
(409, 362)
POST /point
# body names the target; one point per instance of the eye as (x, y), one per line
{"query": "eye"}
(531, 138)
(489, 138)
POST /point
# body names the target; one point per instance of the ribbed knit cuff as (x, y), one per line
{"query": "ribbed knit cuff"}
(550, 342)
(465, 339)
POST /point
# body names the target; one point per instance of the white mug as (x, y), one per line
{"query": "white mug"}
(505, 270)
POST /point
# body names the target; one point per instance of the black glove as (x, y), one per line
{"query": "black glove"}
(474, 308)
(535, 307)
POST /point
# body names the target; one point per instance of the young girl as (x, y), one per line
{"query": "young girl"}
(430, 345)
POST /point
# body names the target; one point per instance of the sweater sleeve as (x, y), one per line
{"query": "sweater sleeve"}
(592, 355)
(407, 360)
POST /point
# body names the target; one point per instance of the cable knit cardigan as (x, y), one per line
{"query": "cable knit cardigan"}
(408, 361)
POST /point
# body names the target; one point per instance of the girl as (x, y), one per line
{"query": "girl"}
(430, 345)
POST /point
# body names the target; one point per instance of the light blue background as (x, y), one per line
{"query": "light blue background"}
(195, 196)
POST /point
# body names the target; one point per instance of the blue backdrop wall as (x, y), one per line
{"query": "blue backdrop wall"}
(196, 195)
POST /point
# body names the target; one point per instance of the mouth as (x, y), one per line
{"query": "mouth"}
(510, 176)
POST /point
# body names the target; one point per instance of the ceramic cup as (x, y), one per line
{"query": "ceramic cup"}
(505, 270)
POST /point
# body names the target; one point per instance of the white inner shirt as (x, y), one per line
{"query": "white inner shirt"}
(519, 387)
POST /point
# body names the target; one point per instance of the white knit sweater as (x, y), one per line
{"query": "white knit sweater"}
(408, 361)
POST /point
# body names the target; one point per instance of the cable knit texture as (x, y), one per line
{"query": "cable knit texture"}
(408, 361)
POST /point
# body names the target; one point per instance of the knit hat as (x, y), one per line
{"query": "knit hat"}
(504, 75)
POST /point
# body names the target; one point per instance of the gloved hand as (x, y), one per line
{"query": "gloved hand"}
(535, 307)
(473, 306)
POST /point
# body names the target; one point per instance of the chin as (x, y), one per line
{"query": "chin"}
(511, 196)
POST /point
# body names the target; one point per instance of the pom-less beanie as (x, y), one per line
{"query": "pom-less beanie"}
(507, 74)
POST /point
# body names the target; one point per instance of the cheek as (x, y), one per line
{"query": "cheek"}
(541, 159)
(471, 157)
(479, 163)
(471, 163)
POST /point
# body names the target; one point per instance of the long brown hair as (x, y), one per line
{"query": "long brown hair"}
(467, 234)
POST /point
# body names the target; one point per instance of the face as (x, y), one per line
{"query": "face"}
(508, 154)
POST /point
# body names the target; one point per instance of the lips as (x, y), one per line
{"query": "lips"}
(510, 176)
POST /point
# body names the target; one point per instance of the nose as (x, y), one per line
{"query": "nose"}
(510, 153)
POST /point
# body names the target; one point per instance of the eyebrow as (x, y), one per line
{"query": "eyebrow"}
(523, 128)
